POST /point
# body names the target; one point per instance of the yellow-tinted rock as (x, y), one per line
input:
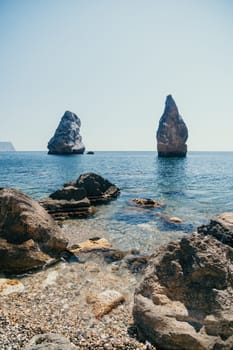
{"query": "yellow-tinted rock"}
(8, 286)
(90, 245)
(105, 301)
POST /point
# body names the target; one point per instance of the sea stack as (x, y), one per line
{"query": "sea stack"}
(172, 132)
(67, 139)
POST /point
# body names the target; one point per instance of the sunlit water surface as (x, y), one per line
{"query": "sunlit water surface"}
(193, 188)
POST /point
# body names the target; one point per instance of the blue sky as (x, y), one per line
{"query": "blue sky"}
(113, 62)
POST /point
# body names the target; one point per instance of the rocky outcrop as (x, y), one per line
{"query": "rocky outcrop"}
(50, 341)
(172, 132)
(6, 147)
(67, 139)
(76, 198)
(220, 227)
(29, 237)
(185, 301)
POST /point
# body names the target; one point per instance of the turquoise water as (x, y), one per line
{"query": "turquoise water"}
(193, 188)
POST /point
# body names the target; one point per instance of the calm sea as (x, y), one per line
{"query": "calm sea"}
(193, 188)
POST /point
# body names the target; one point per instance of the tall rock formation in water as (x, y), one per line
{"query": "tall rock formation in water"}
(172, 132)
(67, 138)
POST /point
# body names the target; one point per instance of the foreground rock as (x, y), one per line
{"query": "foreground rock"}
(185, 301)
(172, 132)
(67, 138)
(76, 198)
(50, 341)
(220, 227)
(29, 237)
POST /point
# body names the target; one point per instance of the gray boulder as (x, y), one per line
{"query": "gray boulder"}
(49, 341)
(172, 132)
(67, 138)
(29, 237)
(185, 301)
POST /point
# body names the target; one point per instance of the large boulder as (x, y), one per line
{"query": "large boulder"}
(220, 227)
(29, 237)
(172, 132)
(185, 301)
(67, 138)
(76, 198)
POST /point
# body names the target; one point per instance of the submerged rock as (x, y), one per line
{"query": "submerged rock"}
(172, 132)
(76, 198)
(185, 301)
(67, 138)
(220, 227)
(29, 237)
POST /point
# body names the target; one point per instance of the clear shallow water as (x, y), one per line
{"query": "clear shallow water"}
(193, 188)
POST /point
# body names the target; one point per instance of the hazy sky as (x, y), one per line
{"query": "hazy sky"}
(113, 62)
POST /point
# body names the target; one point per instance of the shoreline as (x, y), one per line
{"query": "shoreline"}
(56, 300)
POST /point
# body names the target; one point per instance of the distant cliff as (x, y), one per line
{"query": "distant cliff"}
(6, 147)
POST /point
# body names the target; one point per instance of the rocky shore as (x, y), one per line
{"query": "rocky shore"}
(61, 289)
(57, 300)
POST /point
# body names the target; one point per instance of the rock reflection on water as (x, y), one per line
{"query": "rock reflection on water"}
(171, 176)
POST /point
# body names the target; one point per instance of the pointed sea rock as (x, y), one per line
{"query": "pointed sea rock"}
(172, 132)
(67, 138)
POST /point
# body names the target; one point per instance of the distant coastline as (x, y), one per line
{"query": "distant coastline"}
(6, 146)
